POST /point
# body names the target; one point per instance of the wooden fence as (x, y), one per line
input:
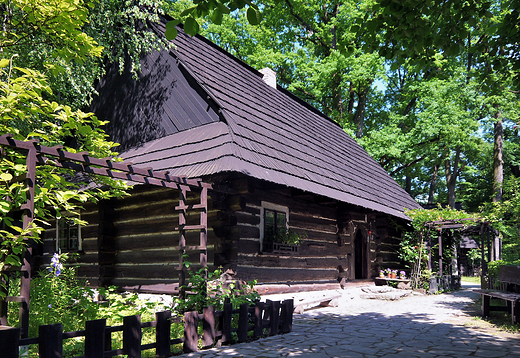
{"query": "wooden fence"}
(269, 318)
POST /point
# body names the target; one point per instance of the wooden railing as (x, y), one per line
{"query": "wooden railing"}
(269, 318)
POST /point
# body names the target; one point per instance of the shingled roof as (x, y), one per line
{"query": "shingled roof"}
(197, 111)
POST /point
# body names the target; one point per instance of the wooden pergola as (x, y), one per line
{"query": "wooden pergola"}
(37, 154)
(485, 232)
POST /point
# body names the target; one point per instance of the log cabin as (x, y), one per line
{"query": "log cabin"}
(294, 199)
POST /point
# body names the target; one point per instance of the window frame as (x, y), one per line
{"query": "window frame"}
(271, 207)
(64, 219)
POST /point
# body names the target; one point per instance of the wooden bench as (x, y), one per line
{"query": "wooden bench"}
(509, 279)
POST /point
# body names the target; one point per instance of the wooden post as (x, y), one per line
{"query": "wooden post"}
(287, 315)
(226, 325)
(429, 252)
(515, 312)
(208, 326)
(9, 338)
(191, 336)
(488, 244)
(28, 216)
(162, 333)
(243, 322)
(132, 335)
(183, 192)
(108, 341)
(204, 232)
(50, 341)
(485, 305)
(274, 322)
(440, 252)
(3, 303)
(259, 310)
(95, 338)
(483, 266)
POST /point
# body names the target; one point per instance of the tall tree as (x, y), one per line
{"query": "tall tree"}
(303, 42)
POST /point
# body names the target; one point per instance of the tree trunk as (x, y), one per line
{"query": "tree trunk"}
(359, 117)
(352, 99)
(433, 183)
(451, 177)
(408, 184)
(498, 163)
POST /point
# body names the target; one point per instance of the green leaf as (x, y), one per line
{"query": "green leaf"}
(216, 16)
(171, 33)
(6, 176)
(191, 27)
(188, 11)
(4, 62)
(224, 9)
(12, 260)
(254, 16)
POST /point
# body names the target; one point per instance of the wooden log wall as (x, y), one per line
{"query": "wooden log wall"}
(325, 256)
(388, 245)
(132, 241)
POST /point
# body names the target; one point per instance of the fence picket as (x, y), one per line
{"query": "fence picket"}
(226, 323)
(132, 336)
(9, 341)
(95, 338)
(275, 318)
(98, 335)
(259, 310)
(208, 326)
(162, 333)
(243, 322)
(50, 341)
(287, 315)
(191, 337)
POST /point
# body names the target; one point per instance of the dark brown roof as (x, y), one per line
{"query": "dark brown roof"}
(238, 124)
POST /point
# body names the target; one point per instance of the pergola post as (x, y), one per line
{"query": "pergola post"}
(429, 250)
(28, 216)
(440, 252)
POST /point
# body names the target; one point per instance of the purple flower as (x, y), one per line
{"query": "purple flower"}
(50, 306)
(55, 260)
(56, 266)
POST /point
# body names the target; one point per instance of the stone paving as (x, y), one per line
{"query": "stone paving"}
(416, 326)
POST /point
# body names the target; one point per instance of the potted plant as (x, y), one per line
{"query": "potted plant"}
(284, 241)
(394, 273)
(388, 273)
(381, 274)
(402, 275)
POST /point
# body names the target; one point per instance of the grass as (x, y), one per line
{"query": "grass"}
(471, 279)
(497, 322)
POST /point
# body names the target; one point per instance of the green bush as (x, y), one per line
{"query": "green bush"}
(58, 296)
(202, 292)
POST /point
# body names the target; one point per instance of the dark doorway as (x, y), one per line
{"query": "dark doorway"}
(359, 256)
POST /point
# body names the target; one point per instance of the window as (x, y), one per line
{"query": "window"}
(273, 226)
(68, 235)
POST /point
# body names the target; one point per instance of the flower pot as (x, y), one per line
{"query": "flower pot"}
(393, 275)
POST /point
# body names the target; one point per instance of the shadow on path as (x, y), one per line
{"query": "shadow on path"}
(390, 329)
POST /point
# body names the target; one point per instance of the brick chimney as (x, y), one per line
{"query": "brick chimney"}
(269, 76)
